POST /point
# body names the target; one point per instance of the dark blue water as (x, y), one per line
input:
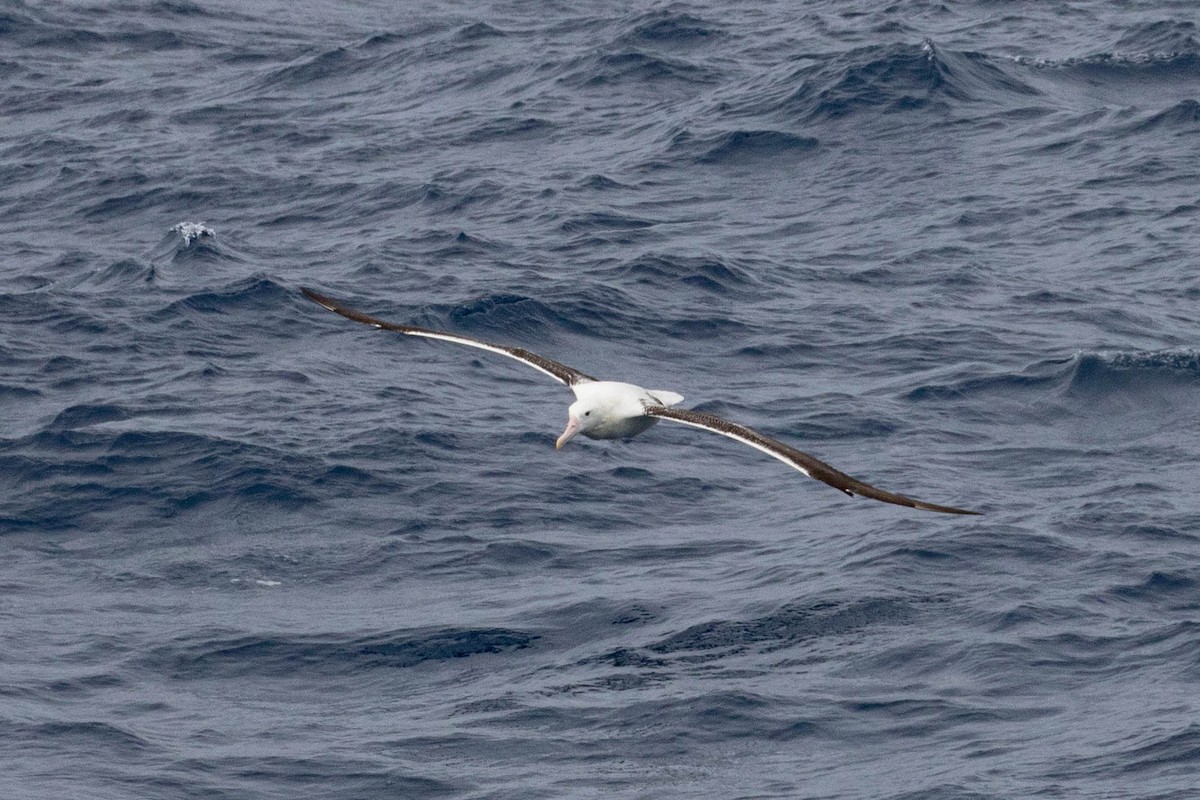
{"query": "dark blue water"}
(255, 550)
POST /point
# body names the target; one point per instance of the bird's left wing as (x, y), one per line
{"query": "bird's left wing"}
(794, 458)
(560, 372)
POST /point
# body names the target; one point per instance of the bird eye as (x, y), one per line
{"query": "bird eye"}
(587, 413)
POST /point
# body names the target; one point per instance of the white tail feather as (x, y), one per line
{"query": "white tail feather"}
(665, 397)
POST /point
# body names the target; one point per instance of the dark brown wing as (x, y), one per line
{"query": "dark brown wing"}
(810, 466)
(560, 372)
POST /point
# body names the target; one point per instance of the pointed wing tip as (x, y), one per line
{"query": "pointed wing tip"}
(318, 298)
(948, 510)
(920, 505)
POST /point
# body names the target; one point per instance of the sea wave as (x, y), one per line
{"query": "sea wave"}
(208, 654)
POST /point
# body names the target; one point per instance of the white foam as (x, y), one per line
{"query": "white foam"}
(191, 231)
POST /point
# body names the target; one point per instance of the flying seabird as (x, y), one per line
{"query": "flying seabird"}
(614, 410)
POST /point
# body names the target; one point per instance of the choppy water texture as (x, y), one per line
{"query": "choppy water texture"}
(254, 550)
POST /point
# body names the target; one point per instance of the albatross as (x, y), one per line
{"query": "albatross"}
(615, 410)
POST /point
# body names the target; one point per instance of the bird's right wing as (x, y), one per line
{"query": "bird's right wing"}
(812, 467)
(560, 372)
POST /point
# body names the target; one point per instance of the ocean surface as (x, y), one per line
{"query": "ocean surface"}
(255, 550)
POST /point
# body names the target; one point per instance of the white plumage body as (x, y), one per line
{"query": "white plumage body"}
(615, 410)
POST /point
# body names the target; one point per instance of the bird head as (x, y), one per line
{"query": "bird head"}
(581, 417)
